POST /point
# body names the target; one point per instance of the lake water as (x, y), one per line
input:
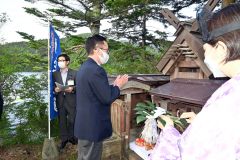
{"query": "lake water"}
(12, 118)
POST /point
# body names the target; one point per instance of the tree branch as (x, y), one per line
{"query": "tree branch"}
(84, 5)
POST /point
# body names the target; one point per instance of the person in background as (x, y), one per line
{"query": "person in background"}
(214, 134)
(94, 98)
(65, 100)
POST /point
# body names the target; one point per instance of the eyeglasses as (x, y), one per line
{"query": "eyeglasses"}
(107, 50)
(61, 60)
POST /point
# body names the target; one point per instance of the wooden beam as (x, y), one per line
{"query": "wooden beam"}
(194, 43)
(184, 49)
(132, 91)
(191, 56)
(171, 18)
(170, 64)
(165, 59)
(190, 75)
(182, 46)
(203, 67)
(211, 4)
(137, 85)
(188, 64)
(187, 53)
(127, 99)
(175, 73)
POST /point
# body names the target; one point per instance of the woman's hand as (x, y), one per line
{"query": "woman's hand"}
(167, 119)
(189, 116)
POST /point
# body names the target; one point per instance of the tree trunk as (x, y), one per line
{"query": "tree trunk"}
(95, 27)
(144, 31)
(227, 2)
(96, 13)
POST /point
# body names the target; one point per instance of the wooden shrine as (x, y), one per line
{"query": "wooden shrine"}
(136, 90)
(122, 110)
(184, 95)
(184, 58)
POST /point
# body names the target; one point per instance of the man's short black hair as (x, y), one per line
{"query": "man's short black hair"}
(93, 41)
(67, 58)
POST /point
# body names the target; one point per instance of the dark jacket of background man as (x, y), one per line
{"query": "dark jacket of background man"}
(65, 100)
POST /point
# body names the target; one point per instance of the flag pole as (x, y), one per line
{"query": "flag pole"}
(49, 150)
(49, 131)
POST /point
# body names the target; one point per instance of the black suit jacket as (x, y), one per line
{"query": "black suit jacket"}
(69, 97)
(94, 98)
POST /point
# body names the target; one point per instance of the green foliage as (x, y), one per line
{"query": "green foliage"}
(124, 57)
(76, 14)
(30, 114)
(14, 62)
(131, 59)
(131, 20)
(148, 109)
(9, 64)
(75, 47)
(143, 110)
(32, 43)
(179, 123)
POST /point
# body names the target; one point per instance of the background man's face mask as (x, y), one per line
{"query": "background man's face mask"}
(61, 65)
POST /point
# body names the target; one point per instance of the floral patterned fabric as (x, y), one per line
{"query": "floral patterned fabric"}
(213, 135)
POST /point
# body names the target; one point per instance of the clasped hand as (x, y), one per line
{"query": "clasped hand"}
(120, 81)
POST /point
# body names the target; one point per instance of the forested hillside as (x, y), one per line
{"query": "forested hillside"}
(122, 55)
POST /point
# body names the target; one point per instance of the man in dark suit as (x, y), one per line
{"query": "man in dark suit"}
(94, 98)
(65, 100)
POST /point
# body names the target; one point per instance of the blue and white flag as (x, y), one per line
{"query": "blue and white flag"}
(55, 51)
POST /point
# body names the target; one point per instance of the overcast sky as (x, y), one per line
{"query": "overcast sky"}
(21, 21)
(24, 22)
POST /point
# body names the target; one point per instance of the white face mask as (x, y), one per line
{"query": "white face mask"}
(61, 65)
(214, 68)
(104, 58)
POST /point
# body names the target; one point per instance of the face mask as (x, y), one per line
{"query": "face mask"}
(104, 58)
(214, 68)
(61, 65)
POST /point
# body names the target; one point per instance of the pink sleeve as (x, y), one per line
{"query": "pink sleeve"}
(167, 145)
